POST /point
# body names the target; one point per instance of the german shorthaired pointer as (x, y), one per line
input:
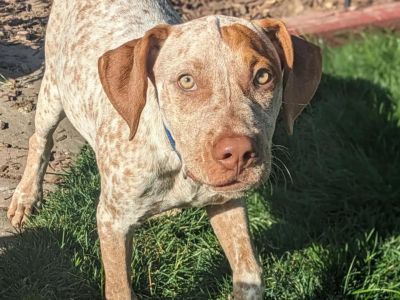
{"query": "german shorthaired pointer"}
(178, 114)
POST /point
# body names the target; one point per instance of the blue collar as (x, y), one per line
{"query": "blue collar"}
(171, 141)
(170, 137)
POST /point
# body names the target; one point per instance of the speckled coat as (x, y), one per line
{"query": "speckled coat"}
(122, 100)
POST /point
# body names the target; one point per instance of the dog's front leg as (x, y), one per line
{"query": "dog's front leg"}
(116, 249)
(230, 224)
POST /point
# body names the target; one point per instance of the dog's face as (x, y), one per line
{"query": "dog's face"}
(220, 82)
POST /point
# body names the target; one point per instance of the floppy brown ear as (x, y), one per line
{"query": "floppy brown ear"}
(124, 72)
(302, 81)
(302, 63)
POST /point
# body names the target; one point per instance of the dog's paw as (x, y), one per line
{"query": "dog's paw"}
(247, 291)
(21, 207)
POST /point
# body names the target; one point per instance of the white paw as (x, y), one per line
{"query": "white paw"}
(248, 286)
(21, 207)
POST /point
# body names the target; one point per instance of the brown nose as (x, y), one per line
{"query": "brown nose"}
(234, 153)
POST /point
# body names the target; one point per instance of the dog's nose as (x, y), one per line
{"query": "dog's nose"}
(234, 153)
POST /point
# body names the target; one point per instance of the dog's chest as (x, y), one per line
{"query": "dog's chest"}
(167, 187)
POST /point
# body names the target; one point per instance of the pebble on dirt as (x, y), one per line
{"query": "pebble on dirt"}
(3, 168)
(3, 125)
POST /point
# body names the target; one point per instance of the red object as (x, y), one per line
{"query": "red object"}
(327, 22)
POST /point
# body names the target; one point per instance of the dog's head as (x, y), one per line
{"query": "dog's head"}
(221, 82)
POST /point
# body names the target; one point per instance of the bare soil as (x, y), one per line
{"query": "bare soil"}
(191, 9)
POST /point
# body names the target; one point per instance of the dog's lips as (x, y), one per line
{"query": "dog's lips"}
(233, 186)
(228, 185)
(225, 184)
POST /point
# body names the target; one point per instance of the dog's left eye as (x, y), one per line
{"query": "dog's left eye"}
(186, 82)
(262, 77)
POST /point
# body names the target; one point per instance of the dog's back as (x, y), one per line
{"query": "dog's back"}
(78, 33)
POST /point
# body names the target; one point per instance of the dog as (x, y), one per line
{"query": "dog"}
(178, 114)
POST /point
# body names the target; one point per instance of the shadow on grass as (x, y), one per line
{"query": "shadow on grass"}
(57, 256)
(345, 197)
(37, 265)
(344, 162)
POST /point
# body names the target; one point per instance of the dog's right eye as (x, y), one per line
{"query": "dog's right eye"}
(186, 82)
(262, 77)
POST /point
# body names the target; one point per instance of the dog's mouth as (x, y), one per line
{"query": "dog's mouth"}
(232, 184)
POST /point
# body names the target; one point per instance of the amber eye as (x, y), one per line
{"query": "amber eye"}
(186, 82)
(262, 77)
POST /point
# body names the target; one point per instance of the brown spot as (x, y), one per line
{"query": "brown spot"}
(117, 196)
(120, 125)
(114, 163)
(182, 51)
(105, 170)
(112, 137)
(85, 8)
(79, 42)
(254, 51)
(118, 147)
(115, 179)
(128, 173)
(46, 89)
(118, 134)
(77, 77)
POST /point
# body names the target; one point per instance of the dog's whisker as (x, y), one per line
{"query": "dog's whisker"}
(280, 148)
(285, 168)
(278, 170)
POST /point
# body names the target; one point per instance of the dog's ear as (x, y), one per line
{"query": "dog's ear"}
(302, 64)
(124, 73)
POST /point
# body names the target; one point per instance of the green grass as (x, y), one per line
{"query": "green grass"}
(330, 230)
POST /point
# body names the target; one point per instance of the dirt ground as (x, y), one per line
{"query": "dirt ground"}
(22, 29)
(191, 9)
